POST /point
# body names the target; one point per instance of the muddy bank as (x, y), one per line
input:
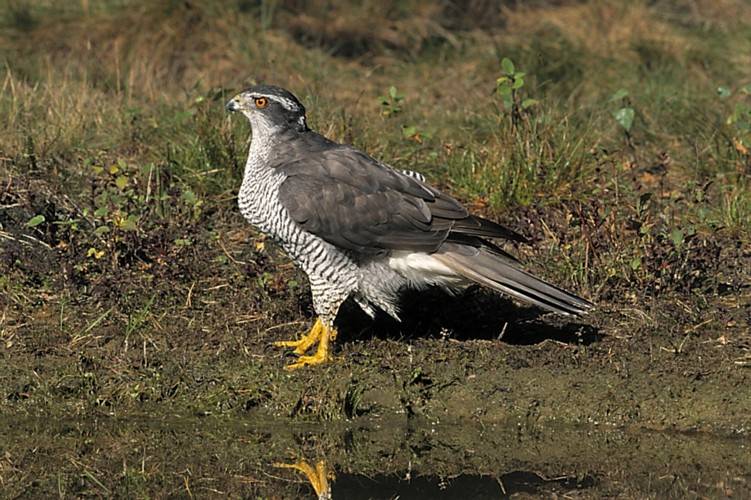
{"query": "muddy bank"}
(162, 380)
(193, 335)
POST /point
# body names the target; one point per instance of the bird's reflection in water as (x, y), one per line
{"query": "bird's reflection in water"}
(477, 486)
(317, 476)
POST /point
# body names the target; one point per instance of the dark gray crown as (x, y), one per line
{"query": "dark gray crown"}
(284, 106)
(283, 96)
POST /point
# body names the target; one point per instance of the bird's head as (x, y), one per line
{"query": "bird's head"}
(267, 106)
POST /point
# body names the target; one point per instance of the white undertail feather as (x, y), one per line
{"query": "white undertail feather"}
(421, 270)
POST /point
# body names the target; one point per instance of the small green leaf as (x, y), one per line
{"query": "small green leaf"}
(635, 263)
(101, 230)
(392, 92)
(702, 213)
(504, 90)
(723, 91)
(508, 103)
(101, 212)
(121, 182)
(519, 83)
(677, 236)
(528, 103)
(507, 65)
(93, 252)
(409, 131)
(130, 223)
(35, 221)
(625, 118)
(619, 94)
(189, 197)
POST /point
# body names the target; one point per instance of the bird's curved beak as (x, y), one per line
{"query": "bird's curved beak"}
(232, 105)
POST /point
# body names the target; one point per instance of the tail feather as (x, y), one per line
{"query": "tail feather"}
(491, 269)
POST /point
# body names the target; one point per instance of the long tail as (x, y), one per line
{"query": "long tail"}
(502, 273)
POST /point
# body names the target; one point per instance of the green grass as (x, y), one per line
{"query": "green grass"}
(133, 93)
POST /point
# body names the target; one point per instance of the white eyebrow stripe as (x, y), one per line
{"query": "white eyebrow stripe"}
(288, 104)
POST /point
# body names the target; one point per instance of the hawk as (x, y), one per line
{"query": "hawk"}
(362, 229)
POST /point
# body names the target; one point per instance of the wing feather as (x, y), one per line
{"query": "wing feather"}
(357, 203)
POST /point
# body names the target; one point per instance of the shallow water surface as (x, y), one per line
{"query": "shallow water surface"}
(212, 457)
(464, 486)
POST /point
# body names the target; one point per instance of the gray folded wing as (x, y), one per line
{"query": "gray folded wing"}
(356, 203)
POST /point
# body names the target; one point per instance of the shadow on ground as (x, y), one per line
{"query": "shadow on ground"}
(475, 314)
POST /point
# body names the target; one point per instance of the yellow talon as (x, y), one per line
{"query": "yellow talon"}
(319, 333)
(307, 340)
(318, 477)
(322, 353)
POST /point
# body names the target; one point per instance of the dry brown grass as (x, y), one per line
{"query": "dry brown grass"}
(151, 52)
(142, 51)
(605, 28)
(357, 30)
(62, 110)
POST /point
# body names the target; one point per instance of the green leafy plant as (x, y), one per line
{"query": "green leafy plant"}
(391, 103)
(624, 114)
(415, 134)
(509, 86)
(127, 203)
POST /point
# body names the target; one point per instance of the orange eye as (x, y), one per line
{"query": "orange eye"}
(261, 102)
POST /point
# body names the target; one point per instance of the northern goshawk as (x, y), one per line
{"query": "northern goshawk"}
(361, 229)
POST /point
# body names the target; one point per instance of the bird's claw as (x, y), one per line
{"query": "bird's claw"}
(301, 346)
(319, 333)
(316, 359)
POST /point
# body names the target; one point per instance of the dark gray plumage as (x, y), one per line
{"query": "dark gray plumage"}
(364, 206)
(360, 228)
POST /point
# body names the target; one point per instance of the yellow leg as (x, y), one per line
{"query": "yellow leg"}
(317, 477)
(301, 346)
(322, 353)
